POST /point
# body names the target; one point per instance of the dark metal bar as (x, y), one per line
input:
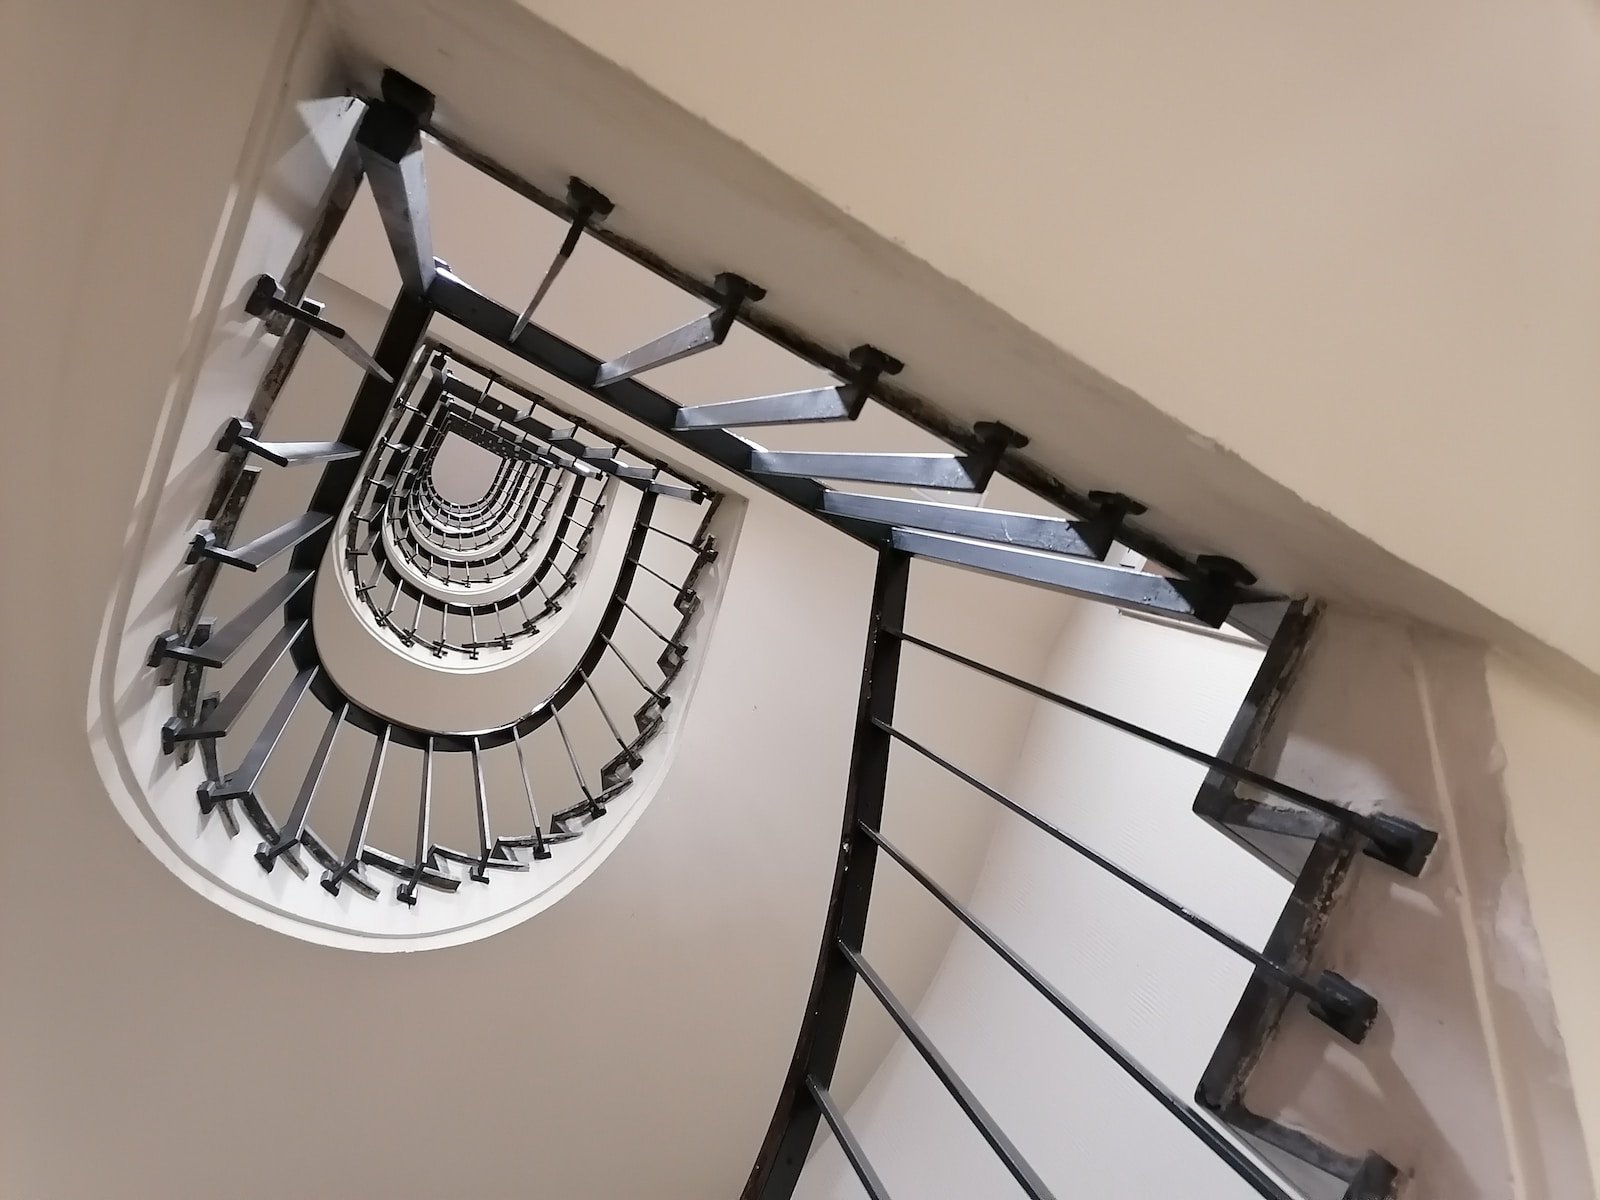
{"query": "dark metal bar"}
(638, 678)
(223, 716)
(222, 519)
(700, 334)
(671, 642)
(785, 408)
(969, 472)
(1097, 581)
(794, 1123)
(587, 205)
(406, 893)
(539, 850)
(853, 1153)
(221, 645)
(485, 843)
(266, 300)
(673, 584)
(841, 403)
(1403, 844)
(947, 472)
(913, 407)
(1214, 1139)
(242, 780)
(458, 301)
(358, 830)
(1056, 535)
(290, 831)
(390, 142)
(240, 435)
(572, 758)
(1331, 999)
(255, 554)
(610, 724)
(959, 1092)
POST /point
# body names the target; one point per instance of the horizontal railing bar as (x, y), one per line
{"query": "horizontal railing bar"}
(645, 621)
(1246, 1168)
(1278, 971)
(363, 820)
(959, 1092)
(677, 587)
(242, 780)
(853, 1152)
(291, 831)
(1361, 822)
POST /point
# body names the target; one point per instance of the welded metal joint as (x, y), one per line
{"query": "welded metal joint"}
(734, 292)
(1342, 1006)
(1101, 528)
(266, 300)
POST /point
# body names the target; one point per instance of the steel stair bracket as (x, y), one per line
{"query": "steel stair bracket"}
(969, 472)
(698, 335)
(589, 206)
(266, 300)
(841, 403)
(239, 437)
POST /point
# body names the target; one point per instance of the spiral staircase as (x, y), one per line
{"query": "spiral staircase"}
(428, 660)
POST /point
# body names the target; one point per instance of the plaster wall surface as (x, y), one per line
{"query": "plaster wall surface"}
(1464, 1079)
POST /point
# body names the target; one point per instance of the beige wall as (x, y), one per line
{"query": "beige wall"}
(1549, 749)
(1353, 245)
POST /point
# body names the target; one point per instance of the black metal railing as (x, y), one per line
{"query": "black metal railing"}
(520, 547)
(551, 493)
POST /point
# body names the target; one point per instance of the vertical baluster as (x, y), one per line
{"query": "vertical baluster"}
(358, 831)
(539, 848)
(406, 893)
(595, 806)
(242, 781)
(633, 758)
(292, 829)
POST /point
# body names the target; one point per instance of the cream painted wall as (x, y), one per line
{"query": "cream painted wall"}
(1354, 245)
(1548, 745)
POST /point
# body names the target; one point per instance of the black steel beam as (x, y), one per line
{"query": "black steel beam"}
(389, 139)
(794, 1123)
